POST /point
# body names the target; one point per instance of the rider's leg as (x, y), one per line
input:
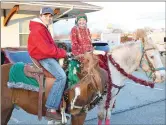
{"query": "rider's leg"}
(55, 95)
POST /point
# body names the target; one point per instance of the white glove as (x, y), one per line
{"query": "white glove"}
(97, 52)
(61, 61)
(69, 54)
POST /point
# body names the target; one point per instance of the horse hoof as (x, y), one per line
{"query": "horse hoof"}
(99, 122)
(107, 122)
(51, 122)
(15, 106)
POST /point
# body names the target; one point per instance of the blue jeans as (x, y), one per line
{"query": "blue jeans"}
(55, 94)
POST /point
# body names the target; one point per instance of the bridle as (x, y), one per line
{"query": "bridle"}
(92, 76)
(95, 88)
(149, 63)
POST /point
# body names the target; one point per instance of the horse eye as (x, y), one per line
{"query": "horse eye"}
(152, 57)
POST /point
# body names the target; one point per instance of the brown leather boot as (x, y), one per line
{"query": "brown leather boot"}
(53, 115)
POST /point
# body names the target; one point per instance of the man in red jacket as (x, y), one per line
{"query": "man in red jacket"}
(41, 47)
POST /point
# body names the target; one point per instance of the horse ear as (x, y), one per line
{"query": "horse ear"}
(91, 52)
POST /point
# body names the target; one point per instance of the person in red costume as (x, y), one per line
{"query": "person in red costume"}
(42, 47)
(80, 36)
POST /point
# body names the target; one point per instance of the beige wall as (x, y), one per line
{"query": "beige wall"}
(10, 33)
(158, 37)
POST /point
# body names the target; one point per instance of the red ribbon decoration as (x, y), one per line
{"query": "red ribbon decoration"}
(104, 65)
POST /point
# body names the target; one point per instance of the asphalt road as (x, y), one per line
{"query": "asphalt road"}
(152, 114)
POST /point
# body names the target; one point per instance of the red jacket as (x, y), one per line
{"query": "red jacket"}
(81, 40)
(41, 44)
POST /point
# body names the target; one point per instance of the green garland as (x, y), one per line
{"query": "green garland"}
(73, 69)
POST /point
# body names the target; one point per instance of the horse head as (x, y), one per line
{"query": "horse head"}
(150, 60)
(81, 95)
(90, 61)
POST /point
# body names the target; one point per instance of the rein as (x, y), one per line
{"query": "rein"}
(95, 99)
(117, 66)
(92, 77)
(110, 84)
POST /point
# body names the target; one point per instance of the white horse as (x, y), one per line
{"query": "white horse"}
(130, 56)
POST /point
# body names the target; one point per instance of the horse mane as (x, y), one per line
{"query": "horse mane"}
(92, 67)
(93, 61)
(141, 36)
(123, 52)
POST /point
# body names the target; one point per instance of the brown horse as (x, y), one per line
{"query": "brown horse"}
(90, 86)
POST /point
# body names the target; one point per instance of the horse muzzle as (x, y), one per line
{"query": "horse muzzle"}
(160, 76)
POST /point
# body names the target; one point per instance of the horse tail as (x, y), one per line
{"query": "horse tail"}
(6, 95)
(5, 68)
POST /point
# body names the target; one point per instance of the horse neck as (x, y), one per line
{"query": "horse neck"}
(129, 56)
(94, 71)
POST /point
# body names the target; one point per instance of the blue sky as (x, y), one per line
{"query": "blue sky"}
(124, 15)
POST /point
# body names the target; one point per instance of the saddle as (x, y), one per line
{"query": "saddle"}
(38, 72)
(39, 66)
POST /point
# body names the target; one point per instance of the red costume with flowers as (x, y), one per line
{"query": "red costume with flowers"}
(80, 40)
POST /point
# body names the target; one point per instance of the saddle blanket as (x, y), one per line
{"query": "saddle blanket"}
(18, 79)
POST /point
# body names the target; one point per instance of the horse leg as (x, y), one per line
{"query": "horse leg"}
(78, 119)
(101, 110)
(53, 122)
(109, 110)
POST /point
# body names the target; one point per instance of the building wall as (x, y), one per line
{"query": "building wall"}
(10, 33)
(158, 37)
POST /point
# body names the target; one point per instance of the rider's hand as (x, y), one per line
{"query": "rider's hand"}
(69, 54)
(61, 62)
